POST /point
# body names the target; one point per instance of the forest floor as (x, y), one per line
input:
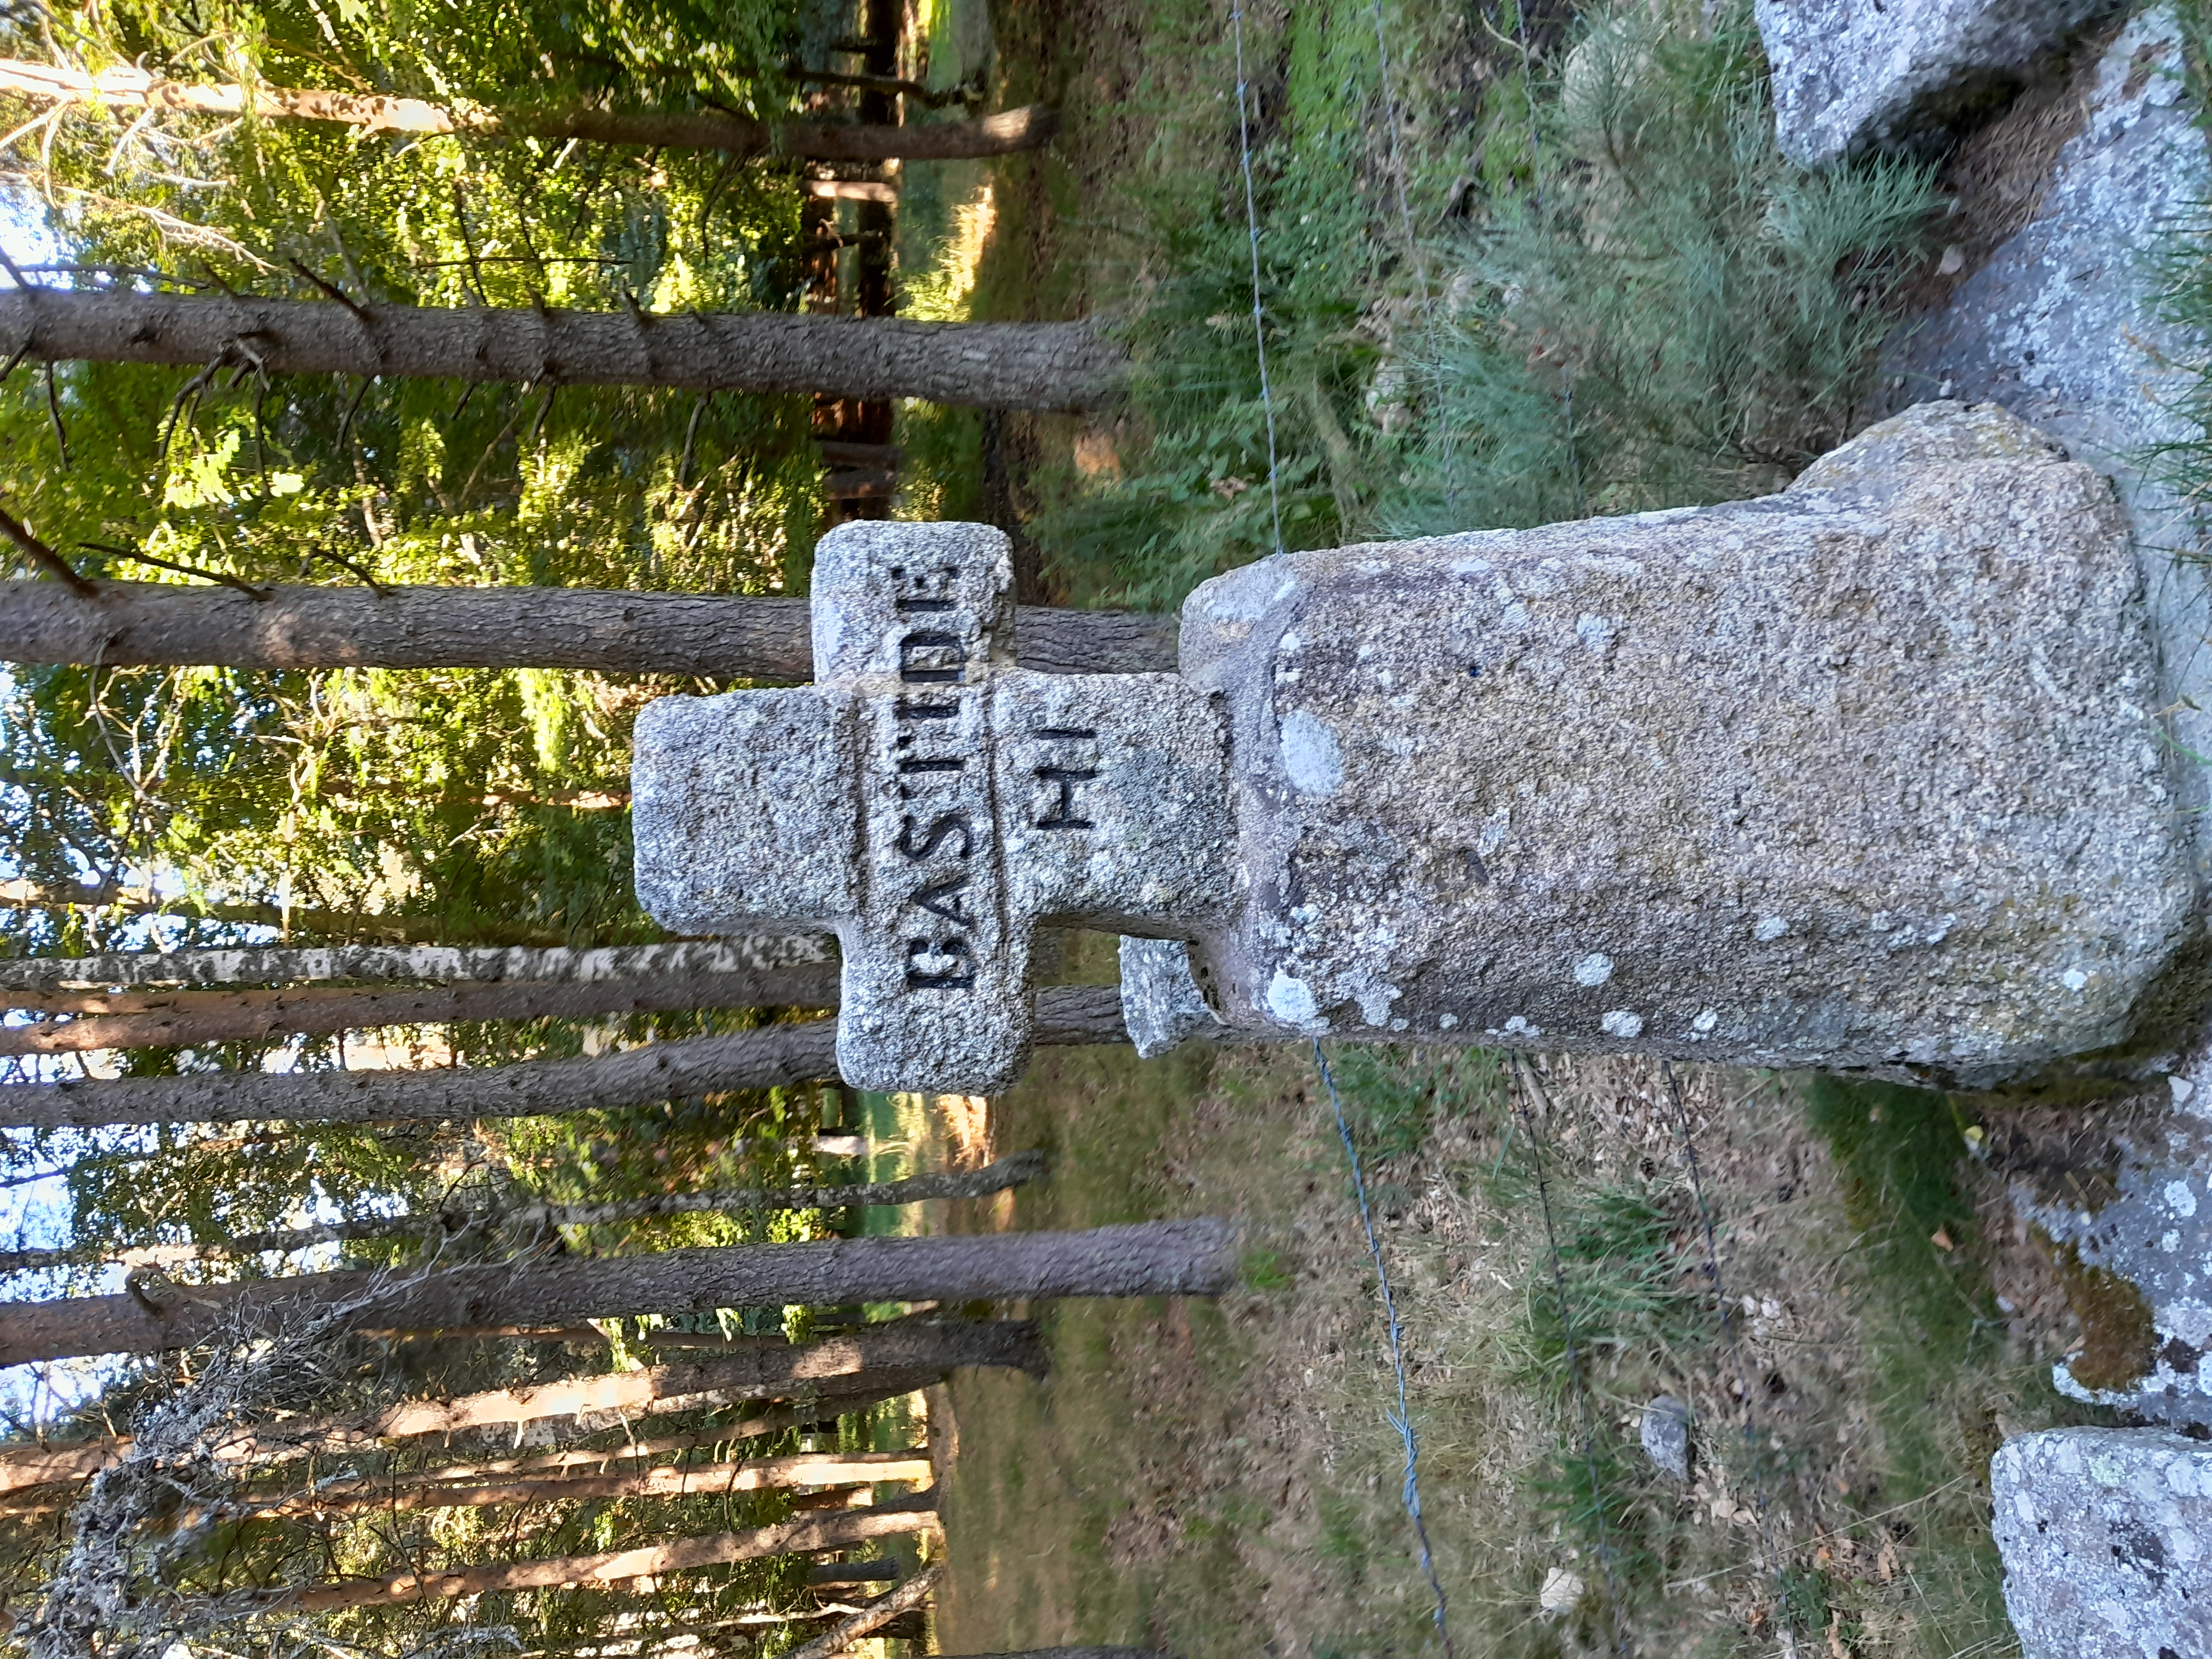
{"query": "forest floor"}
(1221, 1477)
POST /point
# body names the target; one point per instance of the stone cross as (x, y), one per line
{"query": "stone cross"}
(933, 804)
(1869, 776)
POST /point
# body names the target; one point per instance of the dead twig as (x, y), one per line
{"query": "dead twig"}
(334, 291)
(238, 582)
(879, 1612)
(42, 556)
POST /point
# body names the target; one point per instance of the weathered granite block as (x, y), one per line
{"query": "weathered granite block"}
(1867, 777)
(2106, 1537)
(1853, 76)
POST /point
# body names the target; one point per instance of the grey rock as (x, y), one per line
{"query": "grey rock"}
(2155, 1231)
(1863, 778)
(1666, 1436)
(933, 804)
(2106, 1539)
(1161, 1002)
(1854, 76)
(2059, 326)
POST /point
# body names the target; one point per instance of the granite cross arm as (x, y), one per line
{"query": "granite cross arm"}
(933, 804)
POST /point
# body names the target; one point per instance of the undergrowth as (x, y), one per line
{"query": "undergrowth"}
(1617, 295)
(2183, 272)
(1615, 1305)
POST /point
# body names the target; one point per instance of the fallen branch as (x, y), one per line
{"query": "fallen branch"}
(877, 1613)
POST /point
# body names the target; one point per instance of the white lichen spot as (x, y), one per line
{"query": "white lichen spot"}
(1291, 1000)
(1446, 1022)
(1312, 758)
(1592, 970)
(1519, 1026)
(2074, 979)
(1398, 1024)
(1770, 929)
(1621, 1023)
(1492, 833)
(1596, 632)
(2169, 1241)
(1704, 1023)
(2180, 1199)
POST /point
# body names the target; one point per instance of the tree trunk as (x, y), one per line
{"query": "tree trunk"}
(712, 636)
(258, 966)
(775, 1056)
(838, 1375)
(324, 924)
(677, 1481)
(1153, 1258)
(195, 1018)
(1004, 134)
(535, 1220)
(435, 1491)
(799, 1537)
(1045, 365)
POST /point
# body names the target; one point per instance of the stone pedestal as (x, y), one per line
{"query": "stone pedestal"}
(1864, 776)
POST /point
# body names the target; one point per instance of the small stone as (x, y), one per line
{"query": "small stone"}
(1666, 1436)
(1561, 1590)
(2103, 1534)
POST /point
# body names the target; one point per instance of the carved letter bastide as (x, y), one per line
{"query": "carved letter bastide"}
(1866, 776)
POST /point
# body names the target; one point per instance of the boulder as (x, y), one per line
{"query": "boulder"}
(2107, 1538)
(1854, 76)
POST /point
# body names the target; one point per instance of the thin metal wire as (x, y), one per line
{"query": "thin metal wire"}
(1252, 223)
(1731, 1336)
(1403, 1418)
(1515, 1061)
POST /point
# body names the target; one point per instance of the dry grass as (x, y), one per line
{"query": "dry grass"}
(1220, 1477)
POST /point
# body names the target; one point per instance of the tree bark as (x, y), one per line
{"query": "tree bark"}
(1153, 1258)
(194, 1018)
(1004, 134)
(435, 1491)
(24, 1467)
(676, 1480)
(524, 1221)
(765, 953)
(1044, 366)
(775, 1056)
(327, 924)
(799, 1537)
(711, 636)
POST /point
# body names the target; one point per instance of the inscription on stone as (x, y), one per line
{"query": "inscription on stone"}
(933, 804)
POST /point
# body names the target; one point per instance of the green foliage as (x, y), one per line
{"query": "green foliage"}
(2183, 269)
(1935, 1335)
(1393, 1096)
(1632, 302)
(441, 797)
(1665, 312)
